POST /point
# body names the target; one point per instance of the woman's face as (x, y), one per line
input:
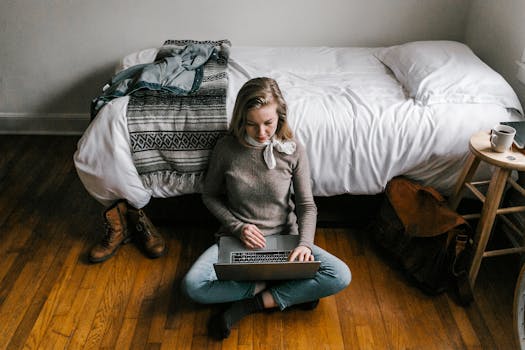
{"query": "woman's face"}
(261, 123)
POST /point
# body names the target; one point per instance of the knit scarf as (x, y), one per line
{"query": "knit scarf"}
(287, 147)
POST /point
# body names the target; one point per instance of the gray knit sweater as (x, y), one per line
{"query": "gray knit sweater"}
(239, 188)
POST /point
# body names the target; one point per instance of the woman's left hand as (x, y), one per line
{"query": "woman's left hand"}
(301, 253)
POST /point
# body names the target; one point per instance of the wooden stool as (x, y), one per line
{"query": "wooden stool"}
(504, 164)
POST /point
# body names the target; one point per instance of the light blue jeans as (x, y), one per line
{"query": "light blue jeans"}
(201, 283)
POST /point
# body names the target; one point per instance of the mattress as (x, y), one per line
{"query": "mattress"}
(359, 123)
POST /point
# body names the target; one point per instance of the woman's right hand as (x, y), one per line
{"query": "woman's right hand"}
(252, 237)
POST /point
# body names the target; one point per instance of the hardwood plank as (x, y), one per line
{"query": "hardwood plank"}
(268, 330)
(75, 291)
(140, 336)
(467, 332)
(168, 291)
(358, 305)
(145, 291)
(125, 336)
(359, 308)
(48, 231)
(24, 180)
(110, 312)
(164, 289)
(451, 330)
(16, 250)
(187, 319)
(140, 287)
(5, 266)
(492, 299)
(63, 326)
(72, 280)
(180, 333)
(203, 342)
(392, 301)
(365, 337)
(196, 333)
(170, 339)
(245, 334)
(54, 339)
(38, 192)
(12, 148)
(31, 274)
(229, 343)
(29, 189)
(37, 318)
(93, 284)
(118, 295)
(17, 304)
(323, 321)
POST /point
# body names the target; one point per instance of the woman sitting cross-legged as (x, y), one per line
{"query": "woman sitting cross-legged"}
(248, 187)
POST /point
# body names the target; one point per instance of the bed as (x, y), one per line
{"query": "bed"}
(365, 115)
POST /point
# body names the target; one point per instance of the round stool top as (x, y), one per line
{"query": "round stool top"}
(511, 159)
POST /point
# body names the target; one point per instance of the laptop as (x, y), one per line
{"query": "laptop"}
(236, 262)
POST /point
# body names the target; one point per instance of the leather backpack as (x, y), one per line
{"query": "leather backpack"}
(428, 241)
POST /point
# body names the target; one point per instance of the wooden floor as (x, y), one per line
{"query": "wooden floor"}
(52, 298)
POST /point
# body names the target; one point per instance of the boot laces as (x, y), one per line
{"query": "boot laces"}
(141, 228)
(108, 236)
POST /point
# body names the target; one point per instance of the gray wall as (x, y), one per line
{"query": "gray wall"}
(496, 32)
(56, 54)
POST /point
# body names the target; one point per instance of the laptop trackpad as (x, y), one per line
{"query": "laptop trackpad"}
(281, 242)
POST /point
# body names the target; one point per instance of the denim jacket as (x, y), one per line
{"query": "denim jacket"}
(178, 70)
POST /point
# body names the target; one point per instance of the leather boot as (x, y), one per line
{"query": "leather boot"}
(151, 240)
(116, 233)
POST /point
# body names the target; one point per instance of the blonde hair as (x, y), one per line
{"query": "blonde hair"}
(256, 93)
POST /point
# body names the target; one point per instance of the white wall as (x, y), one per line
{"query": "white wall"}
(56, 54)
(496, 32)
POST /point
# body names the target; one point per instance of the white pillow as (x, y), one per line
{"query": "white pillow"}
(446, 72)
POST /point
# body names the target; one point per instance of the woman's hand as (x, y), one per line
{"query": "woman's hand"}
(301, 253)
(252, 237)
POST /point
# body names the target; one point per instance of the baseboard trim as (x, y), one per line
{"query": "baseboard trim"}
(43, 123)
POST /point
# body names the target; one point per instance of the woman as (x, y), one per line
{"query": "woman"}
(248, 188)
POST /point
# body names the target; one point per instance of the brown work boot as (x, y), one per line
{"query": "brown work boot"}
(116, 225)
(151, 240)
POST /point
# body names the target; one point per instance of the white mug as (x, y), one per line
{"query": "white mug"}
(501, 138)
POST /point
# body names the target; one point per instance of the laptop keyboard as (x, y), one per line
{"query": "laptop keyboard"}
(260, 256)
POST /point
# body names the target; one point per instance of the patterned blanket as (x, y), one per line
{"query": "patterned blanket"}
(172, 135)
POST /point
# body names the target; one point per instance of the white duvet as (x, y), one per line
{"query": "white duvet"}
(358, 125)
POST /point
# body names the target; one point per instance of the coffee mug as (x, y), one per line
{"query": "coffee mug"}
(501, 137)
